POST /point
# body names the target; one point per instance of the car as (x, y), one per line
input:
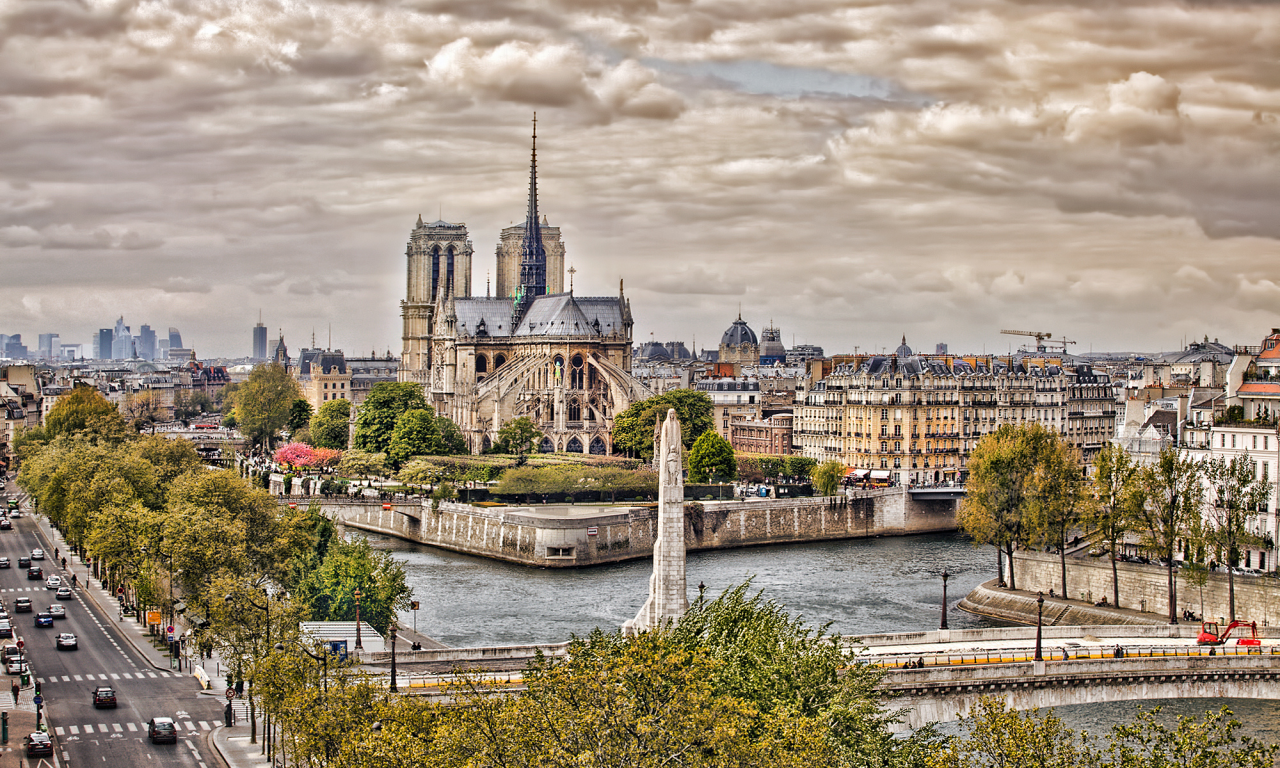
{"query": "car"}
(38, 744)
(22, 605)
(57, 611)
(15, 665)
(37, 554)
(6, 628)
(35, 573)
(104, 697)
(5, 525)
(4, 562)
(24, 562)
(53, 582)
(43, 619)
(9, 651)
(162, 729)
(64, 593)
(15, 513)
(3, 613)
(66, 642)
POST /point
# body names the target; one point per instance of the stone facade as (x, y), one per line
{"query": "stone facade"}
(668, 599)
(768, 436)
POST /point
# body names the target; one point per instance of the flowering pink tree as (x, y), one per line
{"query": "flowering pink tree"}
(295, 454)
(325, 458)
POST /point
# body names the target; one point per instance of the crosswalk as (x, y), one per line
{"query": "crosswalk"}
(41, 588)
(109, 676)
(184, 726)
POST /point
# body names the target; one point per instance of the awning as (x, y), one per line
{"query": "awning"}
(179, 607)
(879, 474)
(858, 473)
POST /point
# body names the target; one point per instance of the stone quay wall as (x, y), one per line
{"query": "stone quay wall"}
(1146, 587)
(572, 536)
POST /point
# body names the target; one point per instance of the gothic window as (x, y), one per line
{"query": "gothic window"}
(574, 445)
(547, 446)
(449, 270)
(435, 269)
(575, 410)
(498, 360)
(482, 364)
(578, 373)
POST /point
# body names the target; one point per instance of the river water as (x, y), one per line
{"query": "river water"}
(861, 586)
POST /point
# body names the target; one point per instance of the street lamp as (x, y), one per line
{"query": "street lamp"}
(394, 632)
(945, 576)
(357, 595)
(1039, 622)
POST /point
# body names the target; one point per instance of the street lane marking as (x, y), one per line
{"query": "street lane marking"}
(114, 676)
(78, 678)
(73, 728)
(116, 727)
(132, 726)
(152, 674)
(190, 725)
(204, 725)
(59, 730)
(66, 679)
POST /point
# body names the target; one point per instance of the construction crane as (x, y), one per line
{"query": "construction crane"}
(1043, 339)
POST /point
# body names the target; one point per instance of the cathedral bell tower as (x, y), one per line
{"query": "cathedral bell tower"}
(439, 268)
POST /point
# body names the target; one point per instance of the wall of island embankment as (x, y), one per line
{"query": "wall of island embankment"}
(1144, 594)
(565, 536)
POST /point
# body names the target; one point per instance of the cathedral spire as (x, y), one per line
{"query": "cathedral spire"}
(533, 256)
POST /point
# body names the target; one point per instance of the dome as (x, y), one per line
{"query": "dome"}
(903, 350)
(654, 351)
(738, 334)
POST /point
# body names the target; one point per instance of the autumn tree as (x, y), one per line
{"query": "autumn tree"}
(1110, 508)
(264, 402)
(1237, 496)
(827, 477)
(142, 408)
(86, 412)
(331, 425)
(1055, 497)
(1172, 495)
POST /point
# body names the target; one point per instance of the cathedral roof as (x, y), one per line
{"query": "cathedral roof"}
(560, 314)
(557, 315)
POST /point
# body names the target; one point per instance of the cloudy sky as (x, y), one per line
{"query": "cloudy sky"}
(851, 170)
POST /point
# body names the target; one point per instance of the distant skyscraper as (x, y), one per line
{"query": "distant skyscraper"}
(102, 344)
(121, 341)
(162, 349)
(14, 348)
(146, 343)
(259, 341)
(175, 338)
(50, 346)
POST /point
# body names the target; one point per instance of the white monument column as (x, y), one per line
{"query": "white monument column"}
(668, 600)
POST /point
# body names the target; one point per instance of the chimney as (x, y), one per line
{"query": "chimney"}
(1184, 409)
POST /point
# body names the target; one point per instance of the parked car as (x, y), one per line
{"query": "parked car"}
(10, 651)
(162, 729)
(6, 628)
(104, 697)
(63, 593)
(57, 611)
(39, 744)
(66, 642)
(37, 554)
(15, 665)
(43, 619)
(22, 605)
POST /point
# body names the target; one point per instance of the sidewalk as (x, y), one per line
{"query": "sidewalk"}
(234, 747)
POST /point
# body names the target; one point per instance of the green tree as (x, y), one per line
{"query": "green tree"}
(188, 406)
(1113, 490)
(519, 436)
(331, 426)
(827, 477)
(451, 437)
(1211, 741)
(711, 459)
(299, 416)
(358, 463)
(1238, 497)
(1055, 497)
(997, 737)
(416, 434)
(1172, 495)
(771, 467)
(749, 469)
(1195, 575)
(329, 593)
(801, 467)
(633, 429)
(264, 402)
(377, 417)
(87, 412)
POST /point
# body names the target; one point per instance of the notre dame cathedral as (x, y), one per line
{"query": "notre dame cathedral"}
(532, 350)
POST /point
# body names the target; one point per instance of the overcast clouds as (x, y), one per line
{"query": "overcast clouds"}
(853, 170)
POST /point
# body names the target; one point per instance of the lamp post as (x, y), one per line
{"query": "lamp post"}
(945, 576)
(357, 595)
(1039, 622)
(394, 632)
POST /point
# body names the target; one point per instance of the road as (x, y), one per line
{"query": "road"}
(85, 735)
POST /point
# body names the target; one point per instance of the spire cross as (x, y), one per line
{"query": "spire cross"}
(572, 272)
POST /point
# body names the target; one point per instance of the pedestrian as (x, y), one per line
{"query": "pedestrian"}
(16, 690)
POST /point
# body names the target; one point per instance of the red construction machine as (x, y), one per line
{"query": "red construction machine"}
(1209, 634)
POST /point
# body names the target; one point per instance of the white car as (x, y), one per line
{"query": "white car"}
(37, 554)
(53, 582)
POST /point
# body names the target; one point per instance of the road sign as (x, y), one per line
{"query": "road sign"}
(169, 629)
(119, 590)
(21, 642)
(231, 694)
(38, 700)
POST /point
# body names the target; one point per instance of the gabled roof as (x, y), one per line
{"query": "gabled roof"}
(492, 316)
(557, 315)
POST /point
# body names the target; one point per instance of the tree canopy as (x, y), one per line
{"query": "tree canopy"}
(519, 436)
(378, 414)
(633, 428)
(330, 426)
(349, 565)
(416, 434)
(264, 402)
(827, 477)
(87, 413)
(711, 459)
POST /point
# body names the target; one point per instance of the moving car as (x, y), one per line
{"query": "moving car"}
(6, 628)
(24, 562)
(57, 611)
(53, 582)
(38, 744)
(4, 562)
(35, 573)
(63, 593)
(104, 697)
(22, 605)
(37, 554)
(162, 729)
(5, 525)
(66, 642)
(43, 619)
(15, 513)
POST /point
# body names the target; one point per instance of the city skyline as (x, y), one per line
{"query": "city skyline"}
(848, 173)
